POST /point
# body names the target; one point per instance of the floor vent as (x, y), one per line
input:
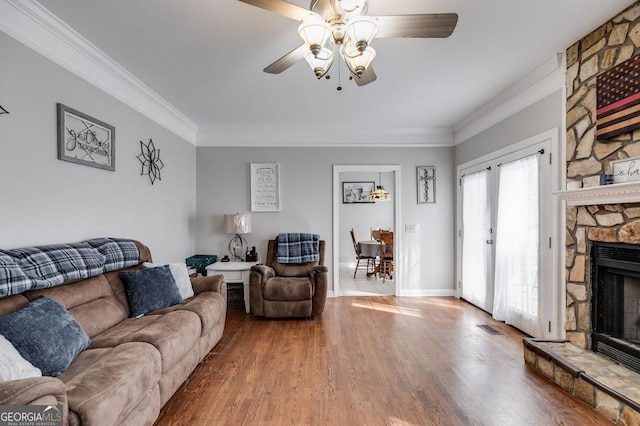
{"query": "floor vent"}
(489, 329)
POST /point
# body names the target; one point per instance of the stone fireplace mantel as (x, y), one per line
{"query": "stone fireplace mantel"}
(619, 193)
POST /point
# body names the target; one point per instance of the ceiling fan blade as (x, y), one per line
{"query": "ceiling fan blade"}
(287, 60)
(438, 25)
(280, 7)
(369, 76)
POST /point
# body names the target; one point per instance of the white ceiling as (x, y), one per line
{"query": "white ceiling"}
(205, 57)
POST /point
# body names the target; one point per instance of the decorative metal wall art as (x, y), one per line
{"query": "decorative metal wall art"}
(426, 183)
(3, 111)
(150, 161)
(85, 140)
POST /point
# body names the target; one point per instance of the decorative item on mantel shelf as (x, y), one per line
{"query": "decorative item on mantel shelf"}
(627, 170)
(3, 111)
(150, 160)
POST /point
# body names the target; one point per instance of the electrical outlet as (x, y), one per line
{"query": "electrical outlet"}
(411, 228)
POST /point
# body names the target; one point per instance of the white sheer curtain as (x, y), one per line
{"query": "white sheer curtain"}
(475, 224)
(516, 290)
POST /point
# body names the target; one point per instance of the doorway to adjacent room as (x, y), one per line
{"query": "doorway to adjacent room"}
(384, 214)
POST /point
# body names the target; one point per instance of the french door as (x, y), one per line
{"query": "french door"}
(477, 243)
(505, 265)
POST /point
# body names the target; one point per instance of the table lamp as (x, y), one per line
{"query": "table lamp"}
(237, 224)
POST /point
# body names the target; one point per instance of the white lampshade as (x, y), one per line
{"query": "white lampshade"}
(362, 29)
(320, 63)
(315, 33)
(237, 223)
(357, 61)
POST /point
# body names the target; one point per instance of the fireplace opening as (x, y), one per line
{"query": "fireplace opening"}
(615, 304)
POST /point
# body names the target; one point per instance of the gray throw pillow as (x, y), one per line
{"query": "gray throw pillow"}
(45, 335)
(150, 289)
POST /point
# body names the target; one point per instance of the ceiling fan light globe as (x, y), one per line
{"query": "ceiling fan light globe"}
(358, 61)
(314, 31)
(362, 29)
(321, 63)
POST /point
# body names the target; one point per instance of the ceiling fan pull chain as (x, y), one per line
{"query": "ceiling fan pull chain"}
(339, 88)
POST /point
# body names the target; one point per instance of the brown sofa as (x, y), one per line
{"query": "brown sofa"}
(280, 290)
(133, 365)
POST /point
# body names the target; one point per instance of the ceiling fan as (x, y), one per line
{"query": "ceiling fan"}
(343, 26)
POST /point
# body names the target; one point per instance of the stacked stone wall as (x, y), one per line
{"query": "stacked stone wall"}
(611, 44)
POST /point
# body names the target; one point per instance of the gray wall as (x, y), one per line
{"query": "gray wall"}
(46, 201)
(544, 115)
(307, 194)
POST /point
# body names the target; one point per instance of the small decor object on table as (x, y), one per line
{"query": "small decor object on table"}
(85, 140)
(3, 111)
(200, 262)
(426, 183)
(265, 187)
(150, 161)
(357, 192)
(627, 170)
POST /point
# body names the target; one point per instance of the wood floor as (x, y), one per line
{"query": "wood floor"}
(372, 361)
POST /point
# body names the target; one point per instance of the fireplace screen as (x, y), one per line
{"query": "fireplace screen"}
(616, 302)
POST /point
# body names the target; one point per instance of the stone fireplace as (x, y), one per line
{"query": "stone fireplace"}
(597, 216)
(615, 288)
(609, 223)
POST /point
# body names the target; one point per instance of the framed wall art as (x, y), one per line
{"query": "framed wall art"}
(426, 184)
(85, 140)
(357, 192)
(265, 187)
(617, 99)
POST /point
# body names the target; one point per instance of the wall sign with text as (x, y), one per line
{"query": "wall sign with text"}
(265, 187)
(627, 170)
(85, 140)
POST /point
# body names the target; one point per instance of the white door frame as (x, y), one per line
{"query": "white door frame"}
(337, 201)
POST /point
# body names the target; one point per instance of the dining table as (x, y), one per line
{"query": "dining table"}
(371, 248)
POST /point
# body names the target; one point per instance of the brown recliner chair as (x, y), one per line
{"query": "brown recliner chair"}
(280, 290)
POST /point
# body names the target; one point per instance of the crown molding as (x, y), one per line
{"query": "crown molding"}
(31, 24)
(540, 83)
(324, 137)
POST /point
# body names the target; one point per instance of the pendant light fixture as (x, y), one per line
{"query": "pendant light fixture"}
(379, 194)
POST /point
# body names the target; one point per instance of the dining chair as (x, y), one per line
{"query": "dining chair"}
(386, 255)
(371, 260)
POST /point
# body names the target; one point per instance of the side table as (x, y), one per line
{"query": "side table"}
(234, 273)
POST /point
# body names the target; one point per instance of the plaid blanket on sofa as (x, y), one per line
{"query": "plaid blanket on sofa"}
(298, 248)
(33, 268)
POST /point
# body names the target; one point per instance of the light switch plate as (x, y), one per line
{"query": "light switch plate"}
(411, 228)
